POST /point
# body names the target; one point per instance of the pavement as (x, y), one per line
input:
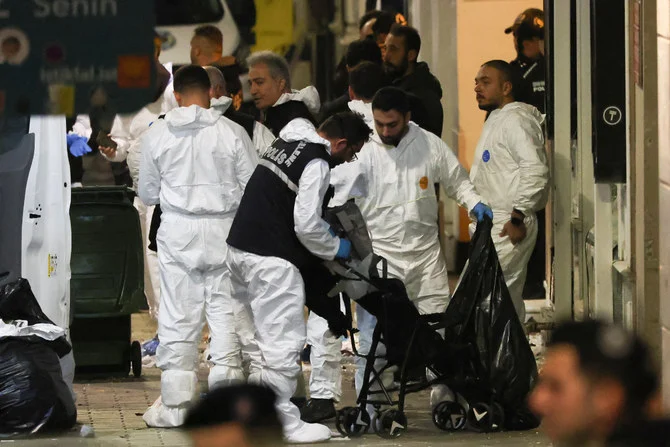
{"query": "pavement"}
(110, 414)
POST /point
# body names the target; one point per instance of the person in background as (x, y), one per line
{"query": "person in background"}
(261, 136)
(207, 49)
(126, 132)
(270, 86)
(235, 416)
(510, 172)
(402, 47)
(373, 25)
(528, 31)
(277, 232)
(197, 168)
(598, 387)
(358, 51)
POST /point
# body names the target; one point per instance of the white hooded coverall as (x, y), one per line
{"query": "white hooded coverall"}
(195, 166)
(126, 132)
(394, 189)
(275, 290)
(510, 172)
(262, 137)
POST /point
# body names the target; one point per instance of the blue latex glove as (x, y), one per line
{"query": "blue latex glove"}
(78, 145)
(480, 210)
(344, 252)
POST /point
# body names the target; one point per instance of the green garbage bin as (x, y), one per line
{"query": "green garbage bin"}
(107, 283)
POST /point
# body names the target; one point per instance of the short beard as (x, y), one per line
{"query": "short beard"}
(396, 72)
(488, 107)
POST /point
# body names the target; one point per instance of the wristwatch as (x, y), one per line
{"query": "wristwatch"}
(517, 217)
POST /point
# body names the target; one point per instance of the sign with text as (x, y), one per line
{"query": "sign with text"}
(65, 56)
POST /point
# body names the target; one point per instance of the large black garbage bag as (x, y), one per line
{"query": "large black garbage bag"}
(33, 394)
(481, 314)
(17, 302)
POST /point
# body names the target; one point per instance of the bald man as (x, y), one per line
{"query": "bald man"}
(260, 135)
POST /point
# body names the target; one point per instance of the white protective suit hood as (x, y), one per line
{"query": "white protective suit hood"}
(192, 117)
(523, 108)
(221, 104)
(301, 129)
(365, 109)
(308, 95)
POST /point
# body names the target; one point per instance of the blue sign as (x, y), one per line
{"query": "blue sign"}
(65, 56)
(486, 156)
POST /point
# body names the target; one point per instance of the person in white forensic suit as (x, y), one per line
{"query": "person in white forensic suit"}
(393, 184)
(195, 166)
(259, 134)
(510, 172)
(279, 231)
(126, 132)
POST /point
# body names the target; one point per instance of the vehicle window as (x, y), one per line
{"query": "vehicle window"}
(187, 12)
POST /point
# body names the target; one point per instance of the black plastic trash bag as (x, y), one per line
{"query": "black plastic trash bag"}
(481, 314)
(33, 394)
(17, 302)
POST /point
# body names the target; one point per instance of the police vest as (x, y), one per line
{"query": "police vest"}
(264, 223)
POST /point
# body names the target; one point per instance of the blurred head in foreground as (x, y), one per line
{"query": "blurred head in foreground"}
(598, 379)
(235, 416)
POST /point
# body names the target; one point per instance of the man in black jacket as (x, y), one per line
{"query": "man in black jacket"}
(528, 32)
(402, 47)
(358, 51)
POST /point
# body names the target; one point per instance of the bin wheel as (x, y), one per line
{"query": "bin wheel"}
(136, 358)
(449, 416)
(390, 424)
(352, 422)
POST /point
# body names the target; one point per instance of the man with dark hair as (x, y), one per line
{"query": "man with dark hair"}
(235, 416)
(392, 181)
(365, 80)
(596, 386)
(278, 233)
(197, 168)
(362, 51)
(510, 171)
(207, 49)
(357, 52)
(528, 31)
(402, 47)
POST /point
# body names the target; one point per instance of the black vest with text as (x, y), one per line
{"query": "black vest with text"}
(264, 223)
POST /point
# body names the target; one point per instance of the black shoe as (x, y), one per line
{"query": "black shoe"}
(299, 401)
(317, 410)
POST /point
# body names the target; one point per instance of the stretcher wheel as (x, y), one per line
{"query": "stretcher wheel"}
(136, 358)
(485, 418)
(450, 416)
(352, 421)
(390, 424)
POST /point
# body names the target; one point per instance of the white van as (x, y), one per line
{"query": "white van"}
(176, 20)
